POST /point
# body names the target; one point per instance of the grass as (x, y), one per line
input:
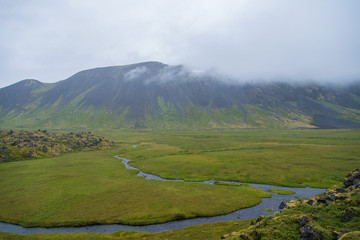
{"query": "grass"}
(94, 187)
(231, 184)
(325, 218)
(209, 231)
(296, 158)
(281, 191)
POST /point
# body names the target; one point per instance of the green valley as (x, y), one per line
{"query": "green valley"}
(176, 124)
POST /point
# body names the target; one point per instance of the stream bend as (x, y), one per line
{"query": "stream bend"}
(242, 214)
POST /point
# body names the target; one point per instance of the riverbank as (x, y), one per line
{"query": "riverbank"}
(242, 214)
(88, 188)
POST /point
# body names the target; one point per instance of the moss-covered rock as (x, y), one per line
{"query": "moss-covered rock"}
(333, 214)
(24, 145)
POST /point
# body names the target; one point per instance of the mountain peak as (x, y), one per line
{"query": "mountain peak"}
(29, 83)
(155, 95)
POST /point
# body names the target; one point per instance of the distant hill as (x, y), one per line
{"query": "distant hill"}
(159, 96)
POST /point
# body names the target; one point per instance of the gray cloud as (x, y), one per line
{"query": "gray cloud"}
(247, 39)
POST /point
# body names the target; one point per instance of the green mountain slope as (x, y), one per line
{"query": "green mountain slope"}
(155, 95)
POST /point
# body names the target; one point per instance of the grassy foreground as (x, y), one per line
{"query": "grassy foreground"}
(94, 187)
(298, 158)
(207, 231)
(334, 214)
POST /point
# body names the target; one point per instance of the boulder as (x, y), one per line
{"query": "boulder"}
(282, 205)
(303, 221)
(308, 233)
(347, 216)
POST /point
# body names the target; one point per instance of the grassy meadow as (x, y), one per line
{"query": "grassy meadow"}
(94, 187)
(296, 158)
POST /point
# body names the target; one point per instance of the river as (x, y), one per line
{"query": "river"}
(242, 214)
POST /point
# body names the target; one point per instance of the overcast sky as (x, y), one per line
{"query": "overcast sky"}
(289, 40)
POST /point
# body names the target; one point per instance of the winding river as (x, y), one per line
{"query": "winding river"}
(242, 214)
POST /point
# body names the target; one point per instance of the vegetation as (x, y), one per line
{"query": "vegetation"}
(209, 231)
(94, 187)
(231, 184)
(174, 98)
(81, 188)
(296, 158)
(281, 191)
(28, 145)
(326, 216)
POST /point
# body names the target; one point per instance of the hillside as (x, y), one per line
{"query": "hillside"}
(155, 95)
(331, 215)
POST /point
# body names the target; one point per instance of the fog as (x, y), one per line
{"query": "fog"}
(246, 40)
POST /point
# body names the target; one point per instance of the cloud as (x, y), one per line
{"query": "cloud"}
(135, 73)
(244, 39)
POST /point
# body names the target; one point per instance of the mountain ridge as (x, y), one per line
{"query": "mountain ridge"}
(156, 95)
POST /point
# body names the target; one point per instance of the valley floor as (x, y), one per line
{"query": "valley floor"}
(94, 187)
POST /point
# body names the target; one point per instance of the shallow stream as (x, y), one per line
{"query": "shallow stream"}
(242, 214)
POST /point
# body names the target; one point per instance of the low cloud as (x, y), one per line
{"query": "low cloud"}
(135, 73)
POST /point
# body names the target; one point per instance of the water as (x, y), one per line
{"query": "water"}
(242, 214)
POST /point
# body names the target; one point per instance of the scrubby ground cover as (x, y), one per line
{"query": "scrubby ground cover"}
(281, 191)
(297, 158)
(94, 187)
(332, 215)
(21, 145)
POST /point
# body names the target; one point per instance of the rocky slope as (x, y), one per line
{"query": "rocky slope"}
(156, 95)
(332, 215)
(23, 145)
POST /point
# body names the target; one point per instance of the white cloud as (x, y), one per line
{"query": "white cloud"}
(135, 73)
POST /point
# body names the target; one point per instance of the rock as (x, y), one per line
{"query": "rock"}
(340, 197)
(340, 190)
(323, 199)
(357, 184)
(303, 221)
(307, 233)
(347, 183)
(310, 202)
(347, 216)
(358, 200)
(352, 178)
(259, 219)
(282, 205)
(44, 148)
(255, 235)
(335, 235)
(243, 236)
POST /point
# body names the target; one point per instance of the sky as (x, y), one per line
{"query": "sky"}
(248, 40)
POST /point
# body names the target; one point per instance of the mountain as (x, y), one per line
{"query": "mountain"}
(156, 95)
